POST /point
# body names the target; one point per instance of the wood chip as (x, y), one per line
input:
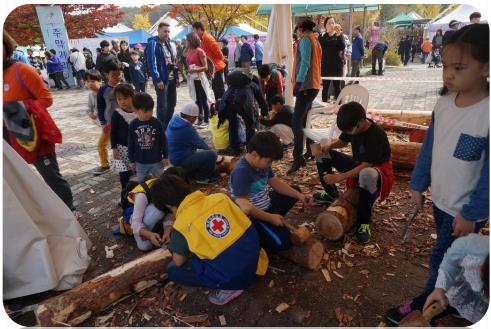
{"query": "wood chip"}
(222, 320)
(325, 272)
(338, 275)
(339, 265)
(146, 316)
(183, 297)
(390, 274)
(282, 307)
(102, 321)
(195, 318)
(365, 272)
(92, 191)
(271, 284)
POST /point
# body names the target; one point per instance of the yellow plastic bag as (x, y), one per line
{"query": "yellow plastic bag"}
(219, 136)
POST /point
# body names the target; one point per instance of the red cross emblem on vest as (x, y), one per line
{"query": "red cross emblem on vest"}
(217, 225)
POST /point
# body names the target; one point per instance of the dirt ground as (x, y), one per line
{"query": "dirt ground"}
(365, 281)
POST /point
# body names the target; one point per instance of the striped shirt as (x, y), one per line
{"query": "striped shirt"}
(247, 181)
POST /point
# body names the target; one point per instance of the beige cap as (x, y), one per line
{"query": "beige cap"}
(191, 109)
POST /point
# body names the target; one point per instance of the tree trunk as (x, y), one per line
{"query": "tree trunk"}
(76, 305)
(340, 217)
(307, 255)
(418, 117)
(404, 154)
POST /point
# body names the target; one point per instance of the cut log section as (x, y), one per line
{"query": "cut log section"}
(76, 305)
(340, 217)
(308, 255)
(404, 154)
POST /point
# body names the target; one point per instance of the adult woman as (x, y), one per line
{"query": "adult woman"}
(55, 70)
(23, 83)
(125, 58)
(306, 78)
(332, 43)
(437, 41)
(197, 82)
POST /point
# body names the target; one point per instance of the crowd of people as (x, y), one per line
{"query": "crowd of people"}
(221, 242)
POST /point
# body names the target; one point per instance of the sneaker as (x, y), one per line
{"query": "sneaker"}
(222, 297)
(323, 197)
(296, 165)
(396, 314)
(100, 170)
(363, 233)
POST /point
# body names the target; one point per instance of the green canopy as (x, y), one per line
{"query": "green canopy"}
(308, 10)
(400, 19)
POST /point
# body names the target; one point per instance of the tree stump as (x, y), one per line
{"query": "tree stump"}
(308, 255)
(404, 154)
(340, 217)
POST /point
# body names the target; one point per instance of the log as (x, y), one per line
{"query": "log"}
(76, 305)
(340, 217)
(308, 255)
(418, 117)
(404, 154)
(298, 235)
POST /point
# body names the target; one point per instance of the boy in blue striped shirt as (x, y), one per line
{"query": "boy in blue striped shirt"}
(251, 182)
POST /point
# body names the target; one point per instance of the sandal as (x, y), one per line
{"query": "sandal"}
(222, 297)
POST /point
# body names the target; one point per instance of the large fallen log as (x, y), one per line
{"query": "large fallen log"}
(340, 217)
(404, 154)
(308, 255)
(78, 304)
(418, 117)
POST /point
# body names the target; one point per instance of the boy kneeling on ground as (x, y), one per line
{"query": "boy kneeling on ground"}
(213, 243)
(369, 169)
(249, 185)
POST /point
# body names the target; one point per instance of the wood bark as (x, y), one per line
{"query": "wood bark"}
(308, 255)
(340, 217)
(418, 117)
(76, 305)
(404, 154)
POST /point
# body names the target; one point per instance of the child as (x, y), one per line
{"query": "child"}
(213, 243)
(463, 278)
(249, 187)
(280, 120)
(184, 141)
(93, 82)
(271, 82)
(137, 73)
(370, 167)
(147, 145)
(120, 121)
(106, 104)
(454, 156)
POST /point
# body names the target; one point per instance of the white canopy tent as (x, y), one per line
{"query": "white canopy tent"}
(117, 29)
(460, 14)
(278, 47)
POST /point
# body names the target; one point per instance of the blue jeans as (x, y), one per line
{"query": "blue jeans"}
(140, 86)
(303, 104)
(444, 240)
(166, 102)
(151, 217)
(201, 165)
(143, 169)
(184, 274)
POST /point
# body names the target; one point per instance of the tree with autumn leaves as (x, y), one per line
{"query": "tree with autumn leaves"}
(81, 21)
(216, 17)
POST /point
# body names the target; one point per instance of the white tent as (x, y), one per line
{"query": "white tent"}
(117, 29)
(44, 247)
(173, 24)
(460, 14)
(415, 15)
(278, 47)
(250, 29)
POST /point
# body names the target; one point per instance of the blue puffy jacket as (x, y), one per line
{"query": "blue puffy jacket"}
(157, 66)
(182, 140)
(54, 65)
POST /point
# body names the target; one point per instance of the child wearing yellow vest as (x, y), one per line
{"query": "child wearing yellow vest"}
(213, 243)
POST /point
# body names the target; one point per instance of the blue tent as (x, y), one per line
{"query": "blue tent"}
(134, 36)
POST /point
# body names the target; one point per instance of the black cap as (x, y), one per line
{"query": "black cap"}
(453, 22)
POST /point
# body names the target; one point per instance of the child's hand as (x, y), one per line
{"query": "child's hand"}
(462, 227)
(325, 148)
(306, 200)
(116, 155)
(333, 178)
(417, 198)
(438, 295)
(132, 166)
(92, 115)
(276, 220)
(155, 239)
(166, 235)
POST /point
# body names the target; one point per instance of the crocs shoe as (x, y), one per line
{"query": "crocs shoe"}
(222, 297)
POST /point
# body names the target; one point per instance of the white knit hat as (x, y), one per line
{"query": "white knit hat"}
(191, 109)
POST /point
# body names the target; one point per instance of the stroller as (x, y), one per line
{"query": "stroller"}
(436, 58)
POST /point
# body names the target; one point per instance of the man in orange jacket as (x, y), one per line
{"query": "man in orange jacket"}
(214, 53)
(426, 48)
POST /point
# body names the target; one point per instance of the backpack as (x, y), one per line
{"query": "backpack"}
(89, 63)
(281, 68)
(124, 227)
(238, 78)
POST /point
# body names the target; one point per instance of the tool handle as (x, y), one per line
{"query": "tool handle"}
(289, 226)
(432, 311)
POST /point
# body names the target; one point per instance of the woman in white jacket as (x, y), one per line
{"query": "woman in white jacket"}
(77, 59)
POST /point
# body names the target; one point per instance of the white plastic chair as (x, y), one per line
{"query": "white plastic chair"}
(350, 93)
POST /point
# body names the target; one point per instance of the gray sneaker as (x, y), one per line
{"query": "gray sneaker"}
(101, 170)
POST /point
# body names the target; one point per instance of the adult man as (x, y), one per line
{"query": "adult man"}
(258, 50)
(115, 45)
(454, 26)
(77, 59)
(214, 54)
(224, 43)
(35, 61)
(475, 18)
(378, 53)
(161, 61)
(357, 52)
(406, 49)
(246, 53)
(238, 46)
(104, 55)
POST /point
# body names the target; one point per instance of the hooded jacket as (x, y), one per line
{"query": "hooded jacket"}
(182, 140)
(156, 62)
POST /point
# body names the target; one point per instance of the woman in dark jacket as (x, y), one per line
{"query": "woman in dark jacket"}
(333, 46)
(125, 58)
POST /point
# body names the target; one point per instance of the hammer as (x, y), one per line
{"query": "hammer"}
(299, 235)
(416, 319)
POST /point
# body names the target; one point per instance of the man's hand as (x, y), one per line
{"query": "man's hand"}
(462, 227)
(333, 178)
(417, 199)
(178, 83)
(161, 85)
(276, 220)
(438, 295)
(116, 155)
